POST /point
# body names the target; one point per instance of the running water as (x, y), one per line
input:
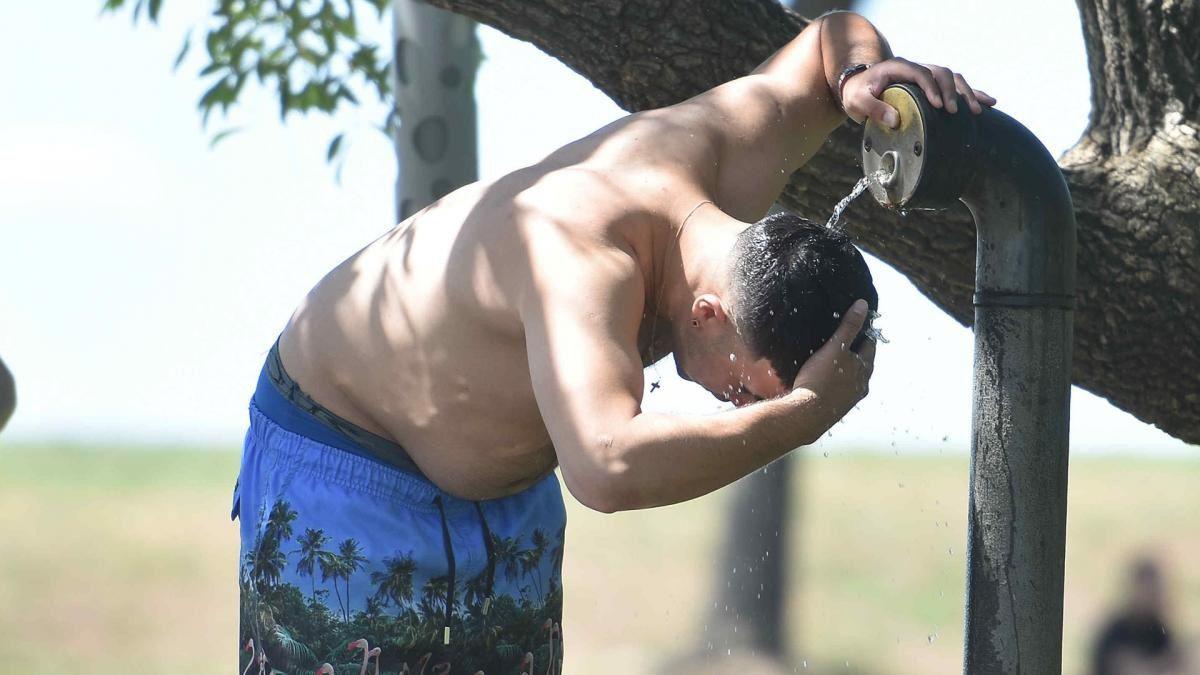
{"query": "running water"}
(878, 177)
(859, 188)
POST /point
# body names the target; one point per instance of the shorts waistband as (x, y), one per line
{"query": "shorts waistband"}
(288, 452)
(280, 398)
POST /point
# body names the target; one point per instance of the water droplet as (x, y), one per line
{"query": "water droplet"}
(732, 357)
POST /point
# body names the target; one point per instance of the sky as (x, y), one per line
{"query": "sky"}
(144, 274)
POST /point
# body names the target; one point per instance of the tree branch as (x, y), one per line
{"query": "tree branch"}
(1137, 209)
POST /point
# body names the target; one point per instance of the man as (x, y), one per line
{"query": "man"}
(1136, 640)
(8, 395)
(406, 427)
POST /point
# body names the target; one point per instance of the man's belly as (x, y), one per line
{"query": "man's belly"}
(477, 436)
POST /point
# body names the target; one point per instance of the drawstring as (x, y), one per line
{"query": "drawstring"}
(491, 564)
(491, 558)
(450, 563)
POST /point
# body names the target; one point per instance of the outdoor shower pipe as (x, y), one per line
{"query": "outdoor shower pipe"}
(1024, 294)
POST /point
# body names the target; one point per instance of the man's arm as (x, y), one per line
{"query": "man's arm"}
(580, 332)
(769, 123)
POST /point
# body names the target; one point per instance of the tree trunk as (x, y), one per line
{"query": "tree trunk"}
(436, 58)
(1133, 176)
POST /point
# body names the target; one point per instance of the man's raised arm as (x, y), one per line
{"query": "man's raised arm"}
(770, 122)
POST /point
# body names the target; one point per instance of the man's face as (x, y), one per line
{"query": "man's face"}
(729, 371)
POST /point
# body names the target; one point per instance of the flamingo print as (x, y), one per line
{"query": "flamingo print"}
(527, 662)
(325, 669)
(556, 634)
(373, 653)
(442, 668)
(552, 630)
(249, 648)
(361, 643)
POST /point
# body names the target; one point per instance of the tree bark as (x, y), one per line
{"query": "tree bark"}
(436, 58)
(1133, 176)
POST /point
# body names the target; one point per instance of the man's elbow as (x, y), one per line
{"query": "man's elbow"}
(601, 488)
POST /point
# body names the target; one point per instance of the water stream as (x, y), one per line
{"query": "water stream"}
(859, 188)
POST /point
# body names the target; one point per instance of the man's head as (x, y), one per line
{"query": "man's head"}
(1146, 592)
(789, 283)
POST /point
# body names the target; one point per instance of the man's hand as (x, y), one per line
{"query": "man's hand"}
(861, 92)
(835, 379)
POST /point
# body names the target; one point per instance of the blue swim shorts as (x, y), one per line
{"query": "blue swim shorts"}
(349, 561)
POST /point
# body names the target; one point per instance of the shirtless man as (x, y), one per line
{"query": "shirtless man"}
(410, 417)
(8, 395)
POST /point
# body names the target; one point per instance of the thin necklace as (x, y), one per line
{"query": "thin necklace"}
(661, 286)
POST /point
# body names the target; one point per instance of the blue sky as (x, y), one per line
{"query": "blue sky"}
(143, 275)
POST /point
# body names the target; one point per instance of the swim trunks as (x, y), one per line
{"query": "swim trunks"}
(351, 557)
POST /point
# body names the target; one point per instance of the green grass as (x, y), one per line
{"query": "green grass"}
(118, 561)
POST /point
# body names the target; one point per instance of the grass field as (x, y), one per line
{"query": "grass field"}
(123, 561)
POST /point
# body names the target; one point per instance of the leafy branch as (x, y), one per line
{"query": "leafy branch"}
(310, 52)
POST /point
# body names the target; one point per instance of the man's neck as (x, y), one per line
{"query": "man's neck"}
(689, 260)
(696, 261)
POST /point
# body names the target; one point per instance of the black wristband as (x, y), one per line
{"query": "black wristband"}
(841, 83)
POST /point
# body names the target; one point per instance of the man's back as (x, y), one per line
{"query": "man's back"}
(419, 338)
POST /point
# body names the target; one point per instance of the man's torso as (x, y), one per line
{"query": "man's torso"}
(419, 337)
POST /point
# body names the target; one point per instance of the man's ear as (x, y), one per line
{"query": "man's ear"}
(707, 308)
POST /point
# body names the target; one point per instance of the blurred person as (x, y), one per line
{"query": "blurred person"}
(407, 423)
(8, 395)
(1137, 640)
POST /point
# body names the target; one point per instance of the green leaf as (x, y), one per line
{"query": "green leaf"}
(334, 146)
(212, 68)
(222, 136)
(187, 44)
(155, 6)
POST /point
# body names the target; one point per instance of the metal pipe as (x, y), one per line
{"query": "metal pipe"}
(1024, 294)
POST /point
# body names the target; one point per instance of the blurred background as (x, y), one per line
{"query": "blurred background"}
(145, 271)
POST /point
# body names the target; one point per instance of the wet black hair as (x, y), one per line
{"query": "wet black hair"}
(792, 280)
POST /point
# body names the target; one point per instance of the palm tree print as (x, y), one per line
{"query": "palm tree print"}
(311, 548)
(531, 559)
(433, 596)
(331, 568)
(395, 583)
(507, 551)
(351, 560)
(401, 610)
